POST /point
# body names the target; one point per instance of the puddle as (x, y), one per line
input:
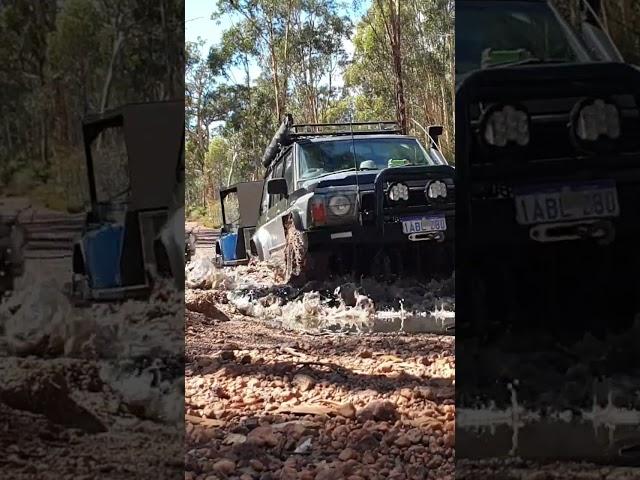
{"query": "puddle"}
(433, 322)
(606, 434)
(549, 440)
(338, 305)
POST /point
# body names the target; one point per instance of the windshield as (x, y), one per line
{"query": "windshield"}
(503, 32)
(323, 157)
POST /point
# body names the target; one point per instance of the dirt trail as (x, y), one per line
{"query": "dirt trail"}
(270, 394)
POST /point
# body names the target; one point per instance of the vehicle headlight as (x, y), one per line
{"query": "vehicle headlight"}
(398, 192)
(505, 124)
(339, 205)
(436, 189)
(596, 118)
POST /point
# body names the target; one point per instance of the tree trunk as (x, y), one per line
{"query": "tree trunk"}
(234, 157)
(396, 49)
(106, 87)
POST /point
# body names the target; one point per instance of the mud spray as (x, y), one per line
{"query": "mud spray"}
(338, 305)
(135, 346)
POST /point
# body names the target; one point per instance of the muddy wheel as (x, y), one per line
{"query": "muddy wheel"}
(295, 255)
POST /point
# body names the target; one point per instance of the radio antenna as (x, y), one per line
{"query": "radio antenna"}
(355, 163)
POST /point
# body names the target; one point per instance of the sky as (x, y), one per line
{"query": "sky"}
(200, 25)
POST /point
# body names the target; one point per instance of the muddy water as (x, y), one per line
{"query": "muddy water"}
(602, 434)
(428, 322)
(343, 304)
(552, 440)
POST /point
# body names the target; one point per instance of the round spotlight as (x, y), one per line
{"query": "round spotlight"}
(398, 192)
(436, 189)
(505, 125)
(595, 124)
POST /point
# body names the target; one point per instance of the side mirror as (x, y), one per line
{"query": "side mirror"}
(277, 186)
(434, 132)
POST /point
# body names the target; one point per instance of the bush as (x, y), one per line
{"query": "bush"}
(208, 217)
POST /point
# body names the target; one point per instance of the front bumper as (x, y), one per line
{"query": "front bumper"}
(390, 233)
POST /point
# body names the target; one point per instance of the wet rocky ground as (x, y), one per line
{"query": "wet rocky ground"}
(88, 392)
(284, 384)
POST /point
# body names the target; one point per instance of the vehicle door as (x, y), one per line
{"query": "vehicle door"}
(278, 204)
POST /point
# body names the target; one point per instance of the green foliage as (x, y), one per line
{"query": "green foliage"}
(427, 56)
(59, 61)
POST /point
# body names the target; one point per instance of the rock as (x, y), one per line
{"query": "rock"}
(365, 354)
(288, 473)
(347, 293)
(304, 446)
(325, 472)
(225, 466)
(263, 437)
(363, 440)
(368, 458)
(257, 465)
(303, 382)
(414, 435)
(406, 393)
(204, 303)
(347, 454)
(380, 410)
(234, 439)
(41, 322)
(200, 273)
(426, 393)
(403, 441)
(346, 410)
(227, 355)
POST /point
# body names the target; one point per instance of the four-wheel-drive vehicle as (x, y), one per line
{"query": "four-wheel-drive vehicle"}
(232, 246)
(12, 241)
(548, 169)
(135, 166)
(355, 197)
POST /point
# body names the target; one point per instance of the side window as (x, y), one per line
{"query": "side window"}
(277, 173)
(288, 172)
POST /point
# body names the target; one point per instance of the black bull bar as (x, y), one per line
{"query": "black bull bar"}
(407, 174)
(515, 85)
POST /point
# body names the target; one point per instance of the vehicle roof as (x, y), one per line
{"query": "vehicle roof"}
(348, 137)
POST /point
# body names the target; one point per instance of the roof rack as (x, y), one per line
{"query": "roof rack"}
(289, 131)
(355, 128)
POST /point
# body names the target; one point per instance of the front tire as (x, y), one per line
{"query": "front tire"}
(301, 265)
(295, 254)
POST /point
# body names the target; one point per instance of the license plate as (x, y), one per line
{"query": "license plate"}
(553, 203)
(423, 224)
